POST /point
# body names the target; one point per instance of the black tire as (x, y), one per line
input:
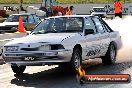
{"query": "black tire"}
(63, 65)
(18, 69)
(110, 57)
(76, 60)
(25, 28)
(64, 68)
(2, 32)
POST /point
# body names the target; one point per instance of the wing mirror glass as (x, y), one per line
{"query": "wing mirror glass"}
(89, 31)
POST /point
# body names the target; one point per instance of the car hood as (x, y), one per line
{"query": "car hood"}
(9, 23)
(42, 38)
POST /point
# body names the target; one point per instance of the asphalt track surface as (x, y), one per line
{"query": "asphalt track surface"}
(55, 77)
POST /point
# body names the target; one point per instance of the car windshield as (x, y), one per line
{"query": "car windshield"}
(98, 9)
(58, 25)
(15, 18)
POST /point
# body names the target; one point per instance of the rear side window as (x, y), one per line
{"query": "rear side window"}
(99, 26)
(108, 29)
(89, 24)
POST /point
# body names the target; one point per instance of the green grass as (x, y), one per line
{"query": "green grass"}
(17, 1)
(63, 1)
(90, 1)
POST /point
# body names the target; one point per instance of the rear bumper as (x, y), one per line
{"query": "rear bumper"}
(100, 15)
(12, 28)
(37, 58)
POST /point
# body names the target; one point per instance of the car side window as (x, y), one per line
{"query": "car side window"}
(89, 24)
(37, 19)
(106, 27)
(30, 19)
(99, 26)
(74, 23)
(58, 22)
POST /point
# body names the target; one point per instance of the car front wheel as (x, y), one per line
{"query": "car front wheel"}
(18, 69)
(76, 60)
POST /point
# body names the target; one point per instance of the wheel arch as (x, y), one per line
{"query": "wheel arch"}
(78, 46)
(114, 43)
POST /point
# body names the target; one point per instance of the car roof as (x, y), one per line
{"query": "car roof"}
(71, 16)
(24, 14)
(98, 7)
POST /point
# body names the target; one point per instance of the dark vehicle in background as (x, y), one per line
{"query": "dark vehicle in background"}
(11, 23)
(2, 13)
(98, 11)
(8, 8)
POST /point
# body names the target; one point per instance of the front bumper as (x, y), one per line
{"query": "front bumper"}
(37, 57)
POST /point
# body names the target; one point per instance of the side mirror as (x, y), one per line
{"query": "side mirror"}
(89, 31)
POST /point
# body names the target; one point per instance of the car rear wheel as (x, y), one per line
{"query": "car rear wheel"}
(110, 57)
(18, 69)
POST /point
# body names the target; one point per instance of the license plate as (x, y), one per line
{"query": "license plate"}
(29, 58)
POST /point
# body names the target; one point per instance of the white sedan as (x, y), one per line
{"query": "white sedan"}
(63, 40)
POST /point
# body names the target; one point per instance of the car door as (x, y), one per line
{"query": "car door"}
(103, 35)
(91, 41)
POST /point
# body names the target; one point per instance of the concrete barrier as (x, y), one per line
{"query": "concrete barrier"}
(30, 9)
(40, 13)
(35, 10)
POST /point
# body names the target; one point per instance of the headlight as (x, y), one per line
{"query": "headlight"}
(11, 48)
(57, 46)
(51, 47)
(45, 47)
